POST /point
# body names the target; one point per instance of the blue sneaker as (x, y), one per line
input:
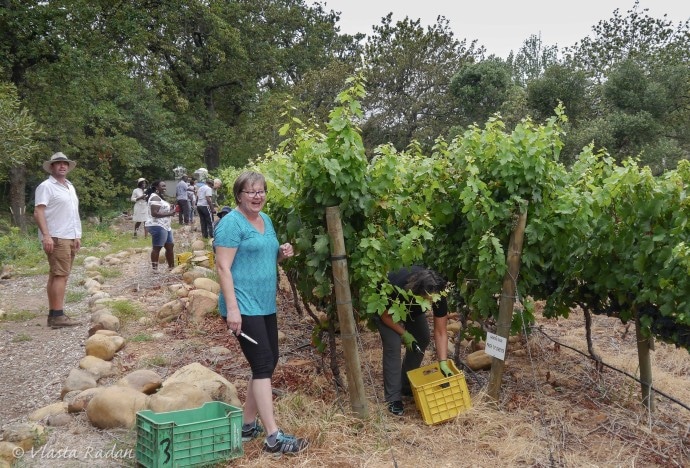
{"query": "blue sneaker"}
(286, 444)
(252, 433)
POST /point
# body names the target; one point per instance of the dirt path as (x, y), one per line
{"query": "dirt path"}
(37, 359)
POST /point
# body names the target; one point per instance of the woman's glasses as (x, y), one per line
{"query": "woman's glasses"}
(254, 193)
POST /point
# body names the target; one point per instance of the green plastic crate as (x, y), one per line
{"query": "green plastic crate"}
(439, 398)
(195, 437)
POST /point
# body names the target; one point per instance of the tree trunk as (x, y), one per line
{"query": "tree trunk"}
(212, 155)
(588, 334)
(643, 347)
(506, 302)
(212, 150)
(348, 331)
(17, 197)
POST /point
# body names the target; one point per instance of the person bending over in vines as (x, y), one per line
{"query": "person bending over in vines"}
(413, 332)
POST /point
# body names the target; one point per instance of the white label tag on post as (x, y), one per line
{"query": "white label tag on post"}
(496, 346)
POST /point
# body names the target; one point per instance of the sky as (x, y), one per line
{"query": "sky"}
(501, 25)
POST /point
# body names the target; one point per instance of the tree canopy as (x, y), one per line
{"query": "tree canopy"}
(139, 87)
(408, 70)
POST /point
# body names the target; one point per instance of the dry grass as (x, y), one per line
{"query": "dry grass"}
(555, 410)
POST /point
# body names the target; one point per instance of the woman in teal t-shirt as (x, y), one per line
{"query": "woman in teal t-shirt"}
(247, 256)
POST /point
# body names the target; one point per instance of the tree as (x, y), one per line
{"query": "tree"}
(645, 113)
(639, 99)
(409, 70)
(112, 124)
(217, 57)
(560, 83)
(532, 59)
(24, 43)
(138, 87)
(96, 106)
(637, 36)
(18, 133)
(308, 100)
(480, 89)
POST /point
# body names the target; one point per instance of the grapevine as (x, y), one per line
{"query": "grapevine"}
(610, 238)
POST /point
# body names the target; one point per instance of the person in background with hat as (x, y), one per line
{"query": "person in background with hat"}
(225, 210)
(59, 230)
(183, 199)
(141, 208)
(204, 206)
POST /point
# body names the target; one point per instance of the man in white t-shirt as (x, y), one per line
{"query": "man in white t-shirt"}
(204, 206)
(59, 229)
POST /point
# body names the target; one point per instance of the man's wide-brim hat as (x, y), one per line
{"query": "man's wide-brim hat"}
(58, 157)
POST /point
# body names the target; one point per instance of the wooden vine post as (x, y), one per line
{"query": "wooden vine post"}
(346, 318)
(644, 344)
(507, 300)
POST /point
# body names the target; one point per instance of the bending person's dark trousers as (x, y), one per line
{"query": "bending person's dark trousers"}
(395, 381)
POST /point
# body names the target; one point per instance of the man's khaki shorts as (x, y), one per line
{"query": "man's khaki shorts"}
(62, 256)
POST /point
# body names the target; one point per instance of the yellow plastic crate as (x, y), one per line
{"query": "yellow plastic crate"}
(439, 398)
(183, 257)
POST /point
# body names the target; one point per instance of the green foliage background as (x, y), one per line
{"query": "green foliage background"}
(430, 164)
(608, 237)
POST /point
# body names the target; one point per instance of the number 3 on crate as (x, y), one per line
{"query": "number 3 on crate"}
(166, 442)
